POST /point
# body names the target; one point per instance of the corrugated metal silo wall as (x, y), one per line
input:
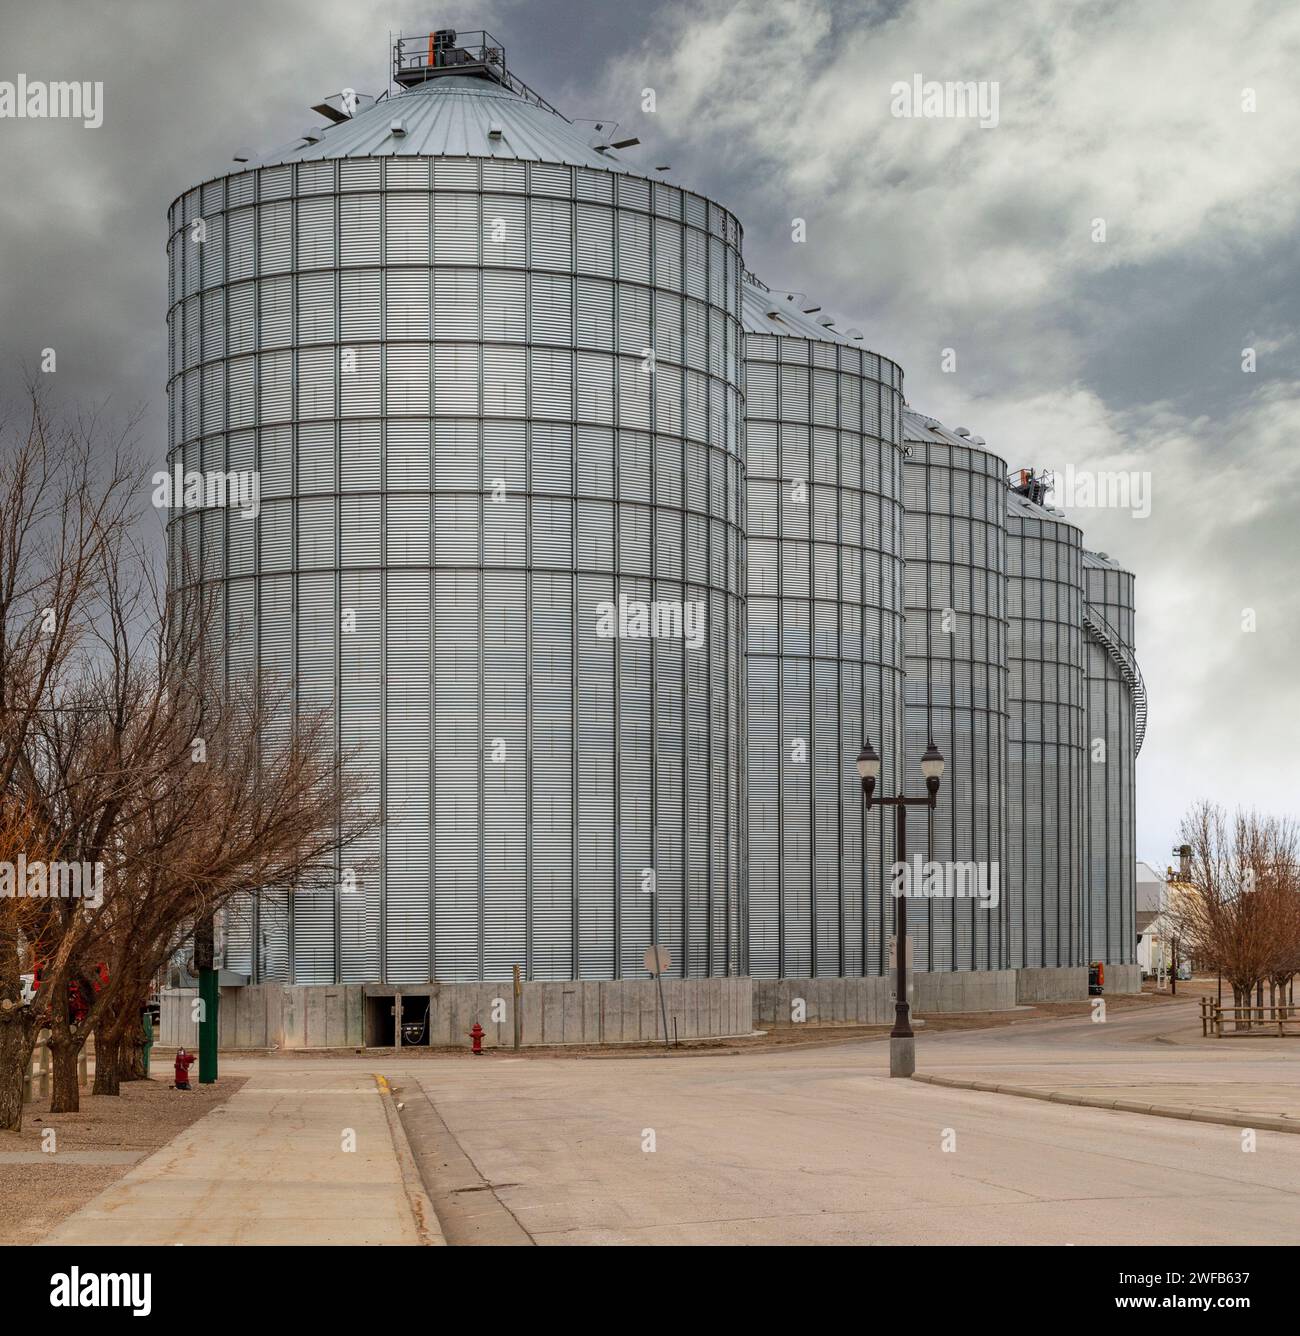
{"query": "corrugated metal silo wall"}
(462, 441)
(824, 658)
(1112, 834)
(954, 581)
(1045, 741)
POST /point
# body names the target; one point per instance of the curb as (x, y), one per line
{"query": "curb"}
(468, 1208)
(427, 1227)
(1116, 1105)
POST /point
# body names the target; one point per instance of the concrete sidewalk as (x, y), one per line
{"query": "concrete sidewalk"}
(1264, 1106)
(270, 1167)
(1154, 1062)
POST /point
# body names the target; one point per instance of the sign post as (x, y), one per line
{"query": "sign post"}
(519, 997)
(657, 961)
(910, 967)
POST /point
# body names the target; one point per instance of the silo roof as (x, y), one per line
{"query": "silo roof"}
(767, 311)
(1024, 508)
(455, 116)
(920, 429)
(1103, 561)
(923, 429)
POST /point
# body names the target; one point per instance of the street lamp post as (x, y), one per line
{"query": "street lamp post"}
(902, 1042)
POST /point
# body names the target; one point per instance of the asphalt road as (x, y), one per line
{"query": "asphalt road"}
(818, 1145)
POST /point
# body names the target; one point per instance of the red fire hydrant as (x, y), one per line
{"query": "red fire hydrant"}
(476, 1039)
(183, 1062)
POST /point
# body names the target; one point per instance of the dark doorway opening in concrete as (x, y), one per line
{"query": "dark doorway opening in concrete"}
(379, 1021)
(415, 1022)
(382, 1012)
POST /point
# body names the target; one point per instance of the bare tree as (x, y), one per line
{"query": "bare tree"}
(133, 756)
(20, 837)
(58, 504)
(1241, 915)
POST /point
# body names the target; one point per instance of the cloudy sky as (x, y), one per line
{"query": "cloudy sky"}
(926, 233)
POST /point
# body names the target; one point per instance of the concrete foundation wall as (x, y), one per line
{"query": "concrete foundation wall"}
(349, 1016)
(868, 1001)
(963, 990)
(1052, 984)
(176, 1029)
(822, 1001)
(1123, 978)
(608, 1011)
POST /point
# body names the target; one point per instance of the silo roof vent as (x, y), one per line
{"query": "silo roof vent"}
(768, 311)
(340, 107)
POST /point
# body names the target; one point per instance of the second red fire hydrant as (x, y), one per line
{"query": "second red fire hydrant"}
(476, 1038)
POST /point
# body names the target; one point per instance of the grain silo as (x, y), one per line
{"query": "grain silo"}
(823, 423)
(955, 691)
(1116, 723)
(488, 374)
(1046, 813)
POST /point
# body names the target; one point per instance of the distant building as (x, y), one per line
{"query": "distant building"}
(1158, 898)
(1151, 900)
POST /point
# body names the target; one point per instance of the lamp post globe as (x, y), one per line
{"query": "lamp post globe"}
(868, 769)
(932, 765)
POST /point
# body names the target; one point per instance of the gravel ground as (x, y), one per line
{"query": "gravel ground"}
(147, 1114)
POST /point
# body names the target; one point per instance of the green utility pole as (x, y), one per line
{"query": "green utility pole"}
(209, 998)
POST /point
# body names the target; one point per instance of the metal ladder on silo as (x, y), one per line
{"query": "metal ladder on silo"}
(1105, 635)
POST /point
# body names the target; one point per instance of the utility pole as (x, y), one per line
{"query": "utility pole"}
(209, 1000)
